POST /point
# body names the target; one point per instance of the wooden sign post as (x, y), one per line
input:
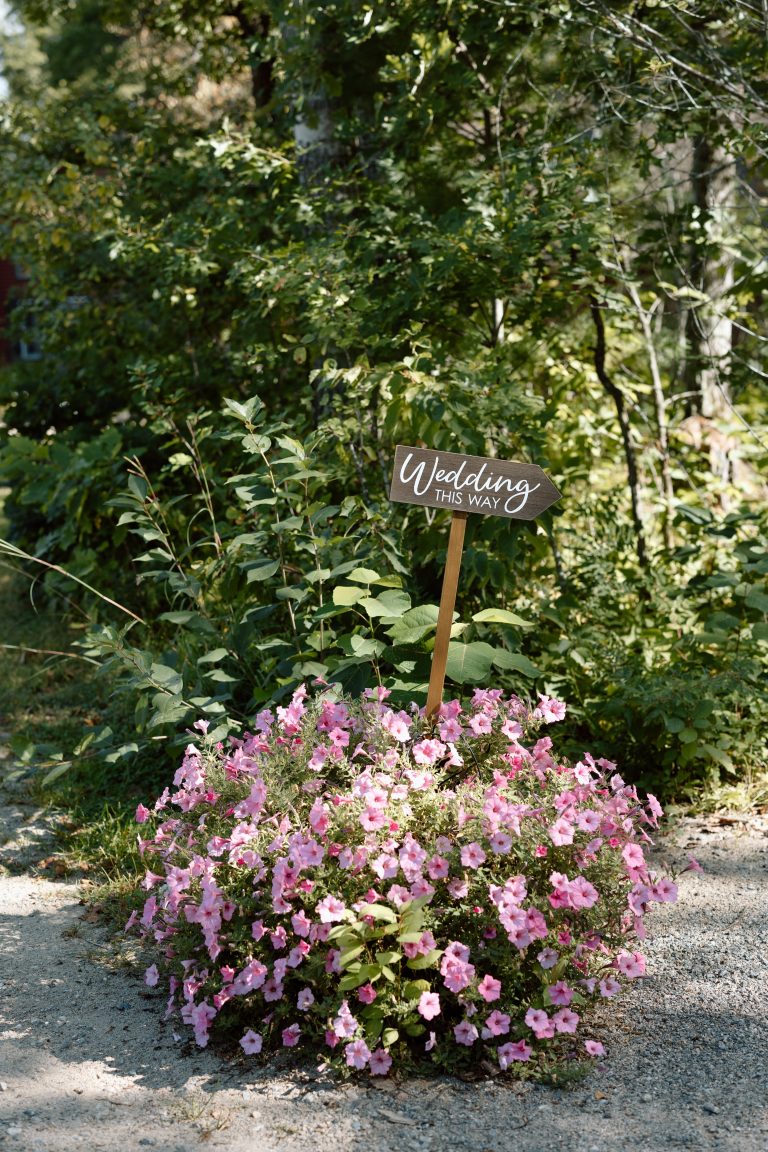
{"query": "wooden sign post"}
(465, 484)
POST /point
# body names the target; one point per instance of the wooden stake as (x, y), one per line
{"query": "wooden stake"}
(445, 616)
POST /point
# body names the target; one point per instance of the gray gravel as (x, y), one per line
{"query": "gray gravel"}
(87, 1062)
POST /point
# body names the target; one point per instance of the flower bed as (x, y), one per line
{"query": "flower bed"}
(361, 883)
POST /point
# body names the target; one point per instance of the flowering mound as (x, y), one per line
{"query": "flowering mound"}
(382, 888)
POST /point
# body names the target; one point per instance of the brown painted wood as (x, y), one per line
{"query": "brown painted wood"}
(445, 615)
(477, 484)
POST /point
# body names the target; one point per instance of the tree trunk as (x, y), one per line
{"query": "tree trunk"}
(708, 333)
(626, 438)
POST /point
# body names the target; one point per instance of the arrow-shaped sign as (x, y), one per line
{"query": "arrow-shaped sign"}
(471, 483)
(464, 484)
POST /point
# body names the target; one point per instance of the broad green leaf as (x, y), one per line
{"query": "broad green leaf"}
(414, 624)
(469, 663)
(757, 599)
(428, 961)
(392, 602)
(364, 576)
(262, 572)
(515, 661)
(345, 597)
(378, 912)
(414, 988)
(213, 657)
(501, 616)
(167, 677)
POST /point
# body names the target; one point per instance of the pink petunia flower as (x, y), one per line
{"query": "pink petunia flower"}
(472, 855)
(609, 987)
(539, 1023)
(330, 909)
(142, 814)
(429, 1005)
(665, 891)
(594, 1048)
(565, 1020)
(379, 1062)
(251, 1043)
(458, 888)
(548, 957)
(291, 1036)
(497, 1024)
(631, 964)
(560, 993)
(357, 1054)
(489, 988)
(151, 976)
(549, 710)
(465, 1033)
(366, 994)
(437, 868)
(305, 999)
(633, 856)
(561, 832)
(481, 724)
(500, 843)
(507, 1053)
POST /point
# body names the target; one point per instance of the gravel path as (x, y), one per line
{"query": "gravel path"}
(86, 1061)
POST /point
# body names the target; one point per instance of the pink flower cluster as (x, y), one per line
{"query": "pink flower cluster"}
(359, 880)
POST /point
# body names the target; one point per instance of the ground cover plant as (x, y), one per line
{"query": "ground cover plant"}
(381, 889)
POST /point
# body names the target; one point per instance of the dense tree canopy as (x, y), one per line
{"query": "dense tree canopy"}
(535, 230)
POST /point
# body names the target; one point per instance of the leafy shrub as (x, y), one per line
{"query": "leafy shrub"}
(272, 575)
(667, 672)
(381, 889)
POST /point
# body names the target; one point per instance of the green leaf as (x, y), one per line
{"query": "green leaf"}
(261, 571)
(57, 771)
(345, 597)
(247, 411)
(378, 912)
(168, 678)
(213, 657)
(389, 1037)
(364, 576)
(716, 754)
(516, 662)
(414, 624)
(428, 961)
(469, 663)
(501, 616)
(414, 988)
(391, 602)
(349, 954)
(757, 599)
(389, 957)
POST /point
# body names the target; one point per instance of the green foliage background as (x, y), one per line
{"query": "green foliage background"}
(268, 241)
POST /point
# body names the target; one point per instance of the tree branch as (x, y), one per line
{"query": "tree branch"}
(629, 453)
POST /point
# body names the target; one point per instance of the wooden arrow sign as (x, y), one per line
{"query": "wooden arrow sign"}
(465, 484)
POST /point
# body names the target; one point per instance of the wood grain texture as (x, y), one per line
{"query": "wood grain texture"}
(445, 615)
(475, 484)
